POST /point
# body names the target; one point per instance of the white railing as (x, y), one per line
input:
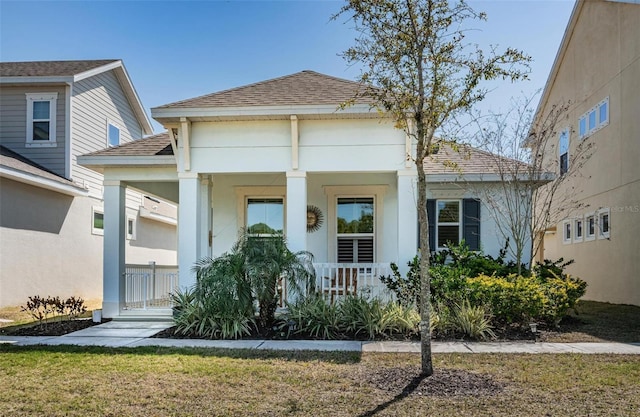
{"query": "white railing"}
(149, 286)
(338, 279)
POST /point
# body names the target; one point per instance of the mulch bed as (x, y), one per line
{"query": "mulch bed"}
(53, 328)
(444, 382)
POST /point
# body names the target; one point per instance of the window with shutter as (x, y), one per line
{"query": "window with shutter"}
(451, 220)
(356, 230)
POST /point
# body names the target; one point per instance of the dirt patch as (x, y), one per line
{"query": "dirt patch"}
(54, 328)
(443, 383)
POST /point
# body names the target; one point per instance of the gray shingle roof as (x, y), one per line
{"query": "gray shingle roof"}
(302, 88)
(50, 68)
(15, 161)
(159, 144)
(467, 160)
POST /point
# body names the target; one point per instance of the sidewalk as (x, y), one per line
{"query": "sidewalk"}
(135, 334)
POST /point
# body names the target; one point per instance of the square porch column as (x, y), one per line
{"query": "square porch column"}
(189, 233)
(113, 282)
(407, 218)
(297, 210)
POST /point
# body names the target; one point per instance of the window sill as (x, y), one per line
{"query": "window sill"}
(41, 145)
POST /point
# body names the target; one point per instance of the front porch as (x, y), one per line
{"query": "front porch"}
(148, 287)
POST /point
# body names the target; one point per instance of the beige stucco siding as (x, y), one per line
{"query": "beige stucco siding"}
(97, 101)
(13, 126)
(602, 60)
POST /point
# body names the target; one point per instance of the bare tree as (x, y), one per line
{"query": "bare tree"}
(532, 160)
(419, 68)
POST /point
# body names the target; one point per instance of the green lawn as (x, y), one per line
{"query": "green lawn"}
(80, 381)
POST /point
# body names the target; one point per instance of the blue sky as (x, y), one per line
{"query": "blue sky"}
(179, 49)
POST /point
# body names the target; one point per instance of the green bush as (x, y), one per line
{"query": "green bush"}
(472, 321)
(406, 289)
(315, 316)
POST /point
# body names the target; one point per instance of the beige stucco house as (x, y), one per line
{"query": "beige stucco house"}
(282, 155)
(597, 69)
(51, 208)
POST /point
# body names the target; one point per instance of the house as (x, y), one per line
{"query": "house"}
(597, 70)
(280, 155)
(51, 208)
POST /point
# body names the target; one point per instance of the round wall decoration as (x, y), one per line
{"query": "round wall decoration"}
(314, 218)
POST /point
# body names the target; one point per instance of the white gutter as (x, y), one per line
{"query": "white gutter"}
(41, 182)
(41, 80)
(147, 214)
(113, 160)
(285, 111)
(489, 177)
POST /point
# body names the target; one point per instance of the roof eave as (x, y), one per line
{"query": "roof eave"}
(103, 161)
(37, 80)
(488, 177)
(41, 182)
(254, 111)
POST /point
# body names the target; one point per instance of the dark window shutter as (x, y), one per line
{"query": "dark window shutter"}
(431, 218)
(471, 222)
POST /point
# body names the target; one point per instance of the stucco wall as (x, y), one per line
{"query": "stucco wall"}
(47, 247)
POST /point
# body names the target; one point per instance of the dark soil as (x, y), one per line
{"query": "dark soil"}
(443, 383)
(53, 328)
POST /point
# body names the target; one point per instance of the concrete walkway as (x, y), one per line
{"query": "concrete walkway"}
(135, 334)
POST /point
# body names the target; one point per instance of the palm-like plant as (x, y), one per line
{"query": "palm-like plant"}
(267, 260)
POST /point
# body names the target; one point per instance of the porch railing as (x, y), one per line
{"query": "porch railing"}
(149, 286)
(335, 280)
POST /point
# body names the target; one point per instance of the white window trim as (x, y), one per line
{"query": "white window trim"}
(588, 237)
(52, 98)
(598, 125)
(359, 235)
(458, 223)
(567, 240)
(132, 235)
(334, 192)
(599, 232)
(108, 123)
(576, 238)
(560, 153)
(94, 231)
(243, 194)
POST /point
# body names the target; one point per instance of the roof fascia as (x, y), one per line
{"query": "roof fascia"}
(40, 182)
(37, 80)
(122, 160)
(259, 111)
(543, 178)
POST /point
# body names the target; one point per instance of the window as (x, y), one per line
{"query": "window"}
(590, 223)
(448, 222)
(594, 119)
(563, 151)
(97, 221)
(41, 119)
(355, 229)
(604, 225)
(131, 228)
(265, 216)
(578, 230)
(113, 135)
(566, 232)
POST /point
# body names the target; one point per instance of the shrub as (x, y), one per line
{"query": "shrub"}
(41, 308)
(406, 289)
(472, 321)
(561, 294)
(315, 316)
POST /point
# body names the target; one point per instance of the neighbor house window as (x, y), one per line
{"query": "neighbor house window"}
(590, 225)
(113, 135)
(563, 150)
(566, 231)
(41, 119)
(578, 230)
(97, 221)
(356, 229)
(265, 216)
(594, 119)
(604, 226)
(448, 222)
(131, 228)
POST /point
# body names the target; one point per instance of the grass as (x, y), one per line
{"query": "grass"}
(18, 317)
(91, 381)
(599, 322)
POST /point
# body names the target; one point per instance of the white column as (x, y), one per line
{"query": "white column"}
(205, 217)
(188, 227)
(407, 218)
(297, 210)
(113, 281)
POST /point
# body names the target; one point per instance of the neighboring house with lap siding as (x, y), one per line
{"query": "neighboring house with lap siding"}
(597, 70)
(282, 156)
(51, 208)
